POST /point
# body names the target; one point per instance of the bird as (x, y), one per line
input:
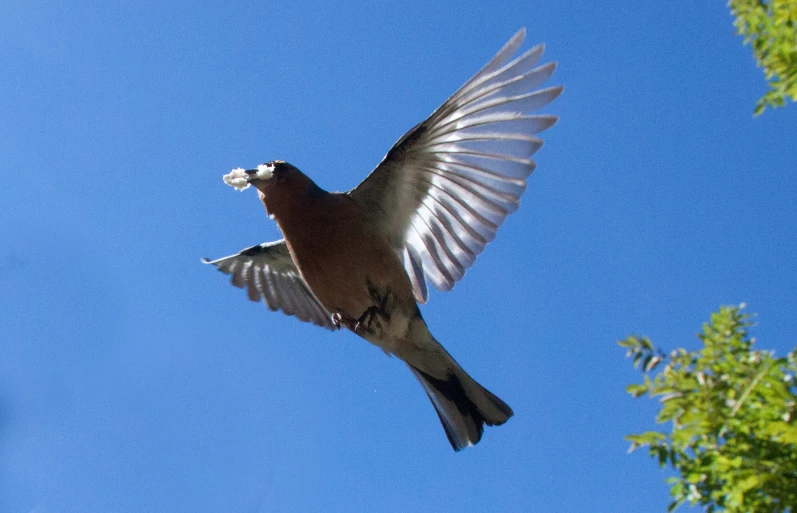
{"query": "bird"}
(363, 260)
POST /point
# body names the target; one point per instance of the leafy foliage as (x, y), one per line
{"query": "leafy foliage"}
(732, 410)
(771, 28)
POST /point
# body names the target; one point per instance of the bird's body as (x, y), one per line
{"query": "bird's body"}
(350, 267)
(353, 270)
(361, 259)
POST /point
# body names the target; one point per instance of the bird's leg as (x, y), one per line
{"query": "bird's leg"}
(382, 298)
(369, 321)
(366, 319)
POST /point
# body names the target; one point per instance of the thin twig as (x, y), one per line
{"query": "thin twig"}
(744, 397)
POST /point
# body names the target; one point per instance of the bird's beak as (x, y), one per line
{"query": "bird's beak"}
(252, 177)
(263, 173)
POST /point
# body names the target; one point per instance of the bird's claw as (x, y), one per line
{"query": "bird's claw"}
(336, 319)
(366, 318)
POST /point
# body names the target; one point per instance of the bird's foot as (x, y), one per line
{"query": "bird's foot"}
(336, 319)
(366, 319)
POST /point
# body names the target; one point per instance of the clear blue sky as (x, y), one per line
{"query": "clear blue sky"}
(133, 378)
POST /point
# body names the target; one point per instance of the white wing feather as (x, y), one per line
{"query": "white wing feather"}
(443, 190)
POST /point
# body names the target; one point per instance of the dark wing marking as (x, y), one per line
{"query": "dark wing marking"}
(267, 271)
(445, 187)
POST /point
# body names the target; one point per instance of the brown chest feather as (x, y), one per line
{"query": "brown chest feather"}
(341, 256)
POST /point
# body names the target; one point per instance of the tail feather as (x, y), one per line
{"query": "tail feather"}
(464, 406)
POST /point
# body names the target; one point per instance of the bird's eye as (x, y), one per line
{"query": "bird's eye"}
(278, 171)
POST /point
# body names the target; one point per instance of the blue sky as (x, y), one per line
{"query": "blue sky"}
(132, 378)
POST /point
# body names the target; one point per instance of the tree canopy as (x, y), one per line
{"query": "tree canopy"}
(770, 27)
(731, 408)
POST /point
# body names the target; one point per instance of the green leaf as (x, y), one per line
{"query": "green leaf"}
(636, 390)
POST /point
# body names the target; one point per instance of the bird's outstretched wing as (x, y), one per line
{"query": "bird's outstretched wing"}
(268, 271)
(446, 186)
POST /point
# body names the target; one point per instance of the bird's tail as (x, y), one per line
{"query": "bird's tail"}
(463, 405)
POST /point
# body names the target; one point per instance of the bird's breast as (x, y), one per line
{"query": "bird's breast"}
(345, 261)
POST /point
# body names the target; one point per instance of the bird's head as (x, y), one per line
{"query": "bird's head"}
(277, 182)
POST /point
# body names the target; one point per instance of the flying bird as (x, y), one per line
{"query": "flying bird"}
(363, 259)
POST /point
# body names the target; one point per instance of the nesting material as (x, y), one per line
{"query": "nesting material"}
(237, 178)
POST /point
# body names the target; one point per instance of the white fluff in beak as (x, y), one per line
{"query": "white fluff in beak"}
(237, 178)
(264, 171)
